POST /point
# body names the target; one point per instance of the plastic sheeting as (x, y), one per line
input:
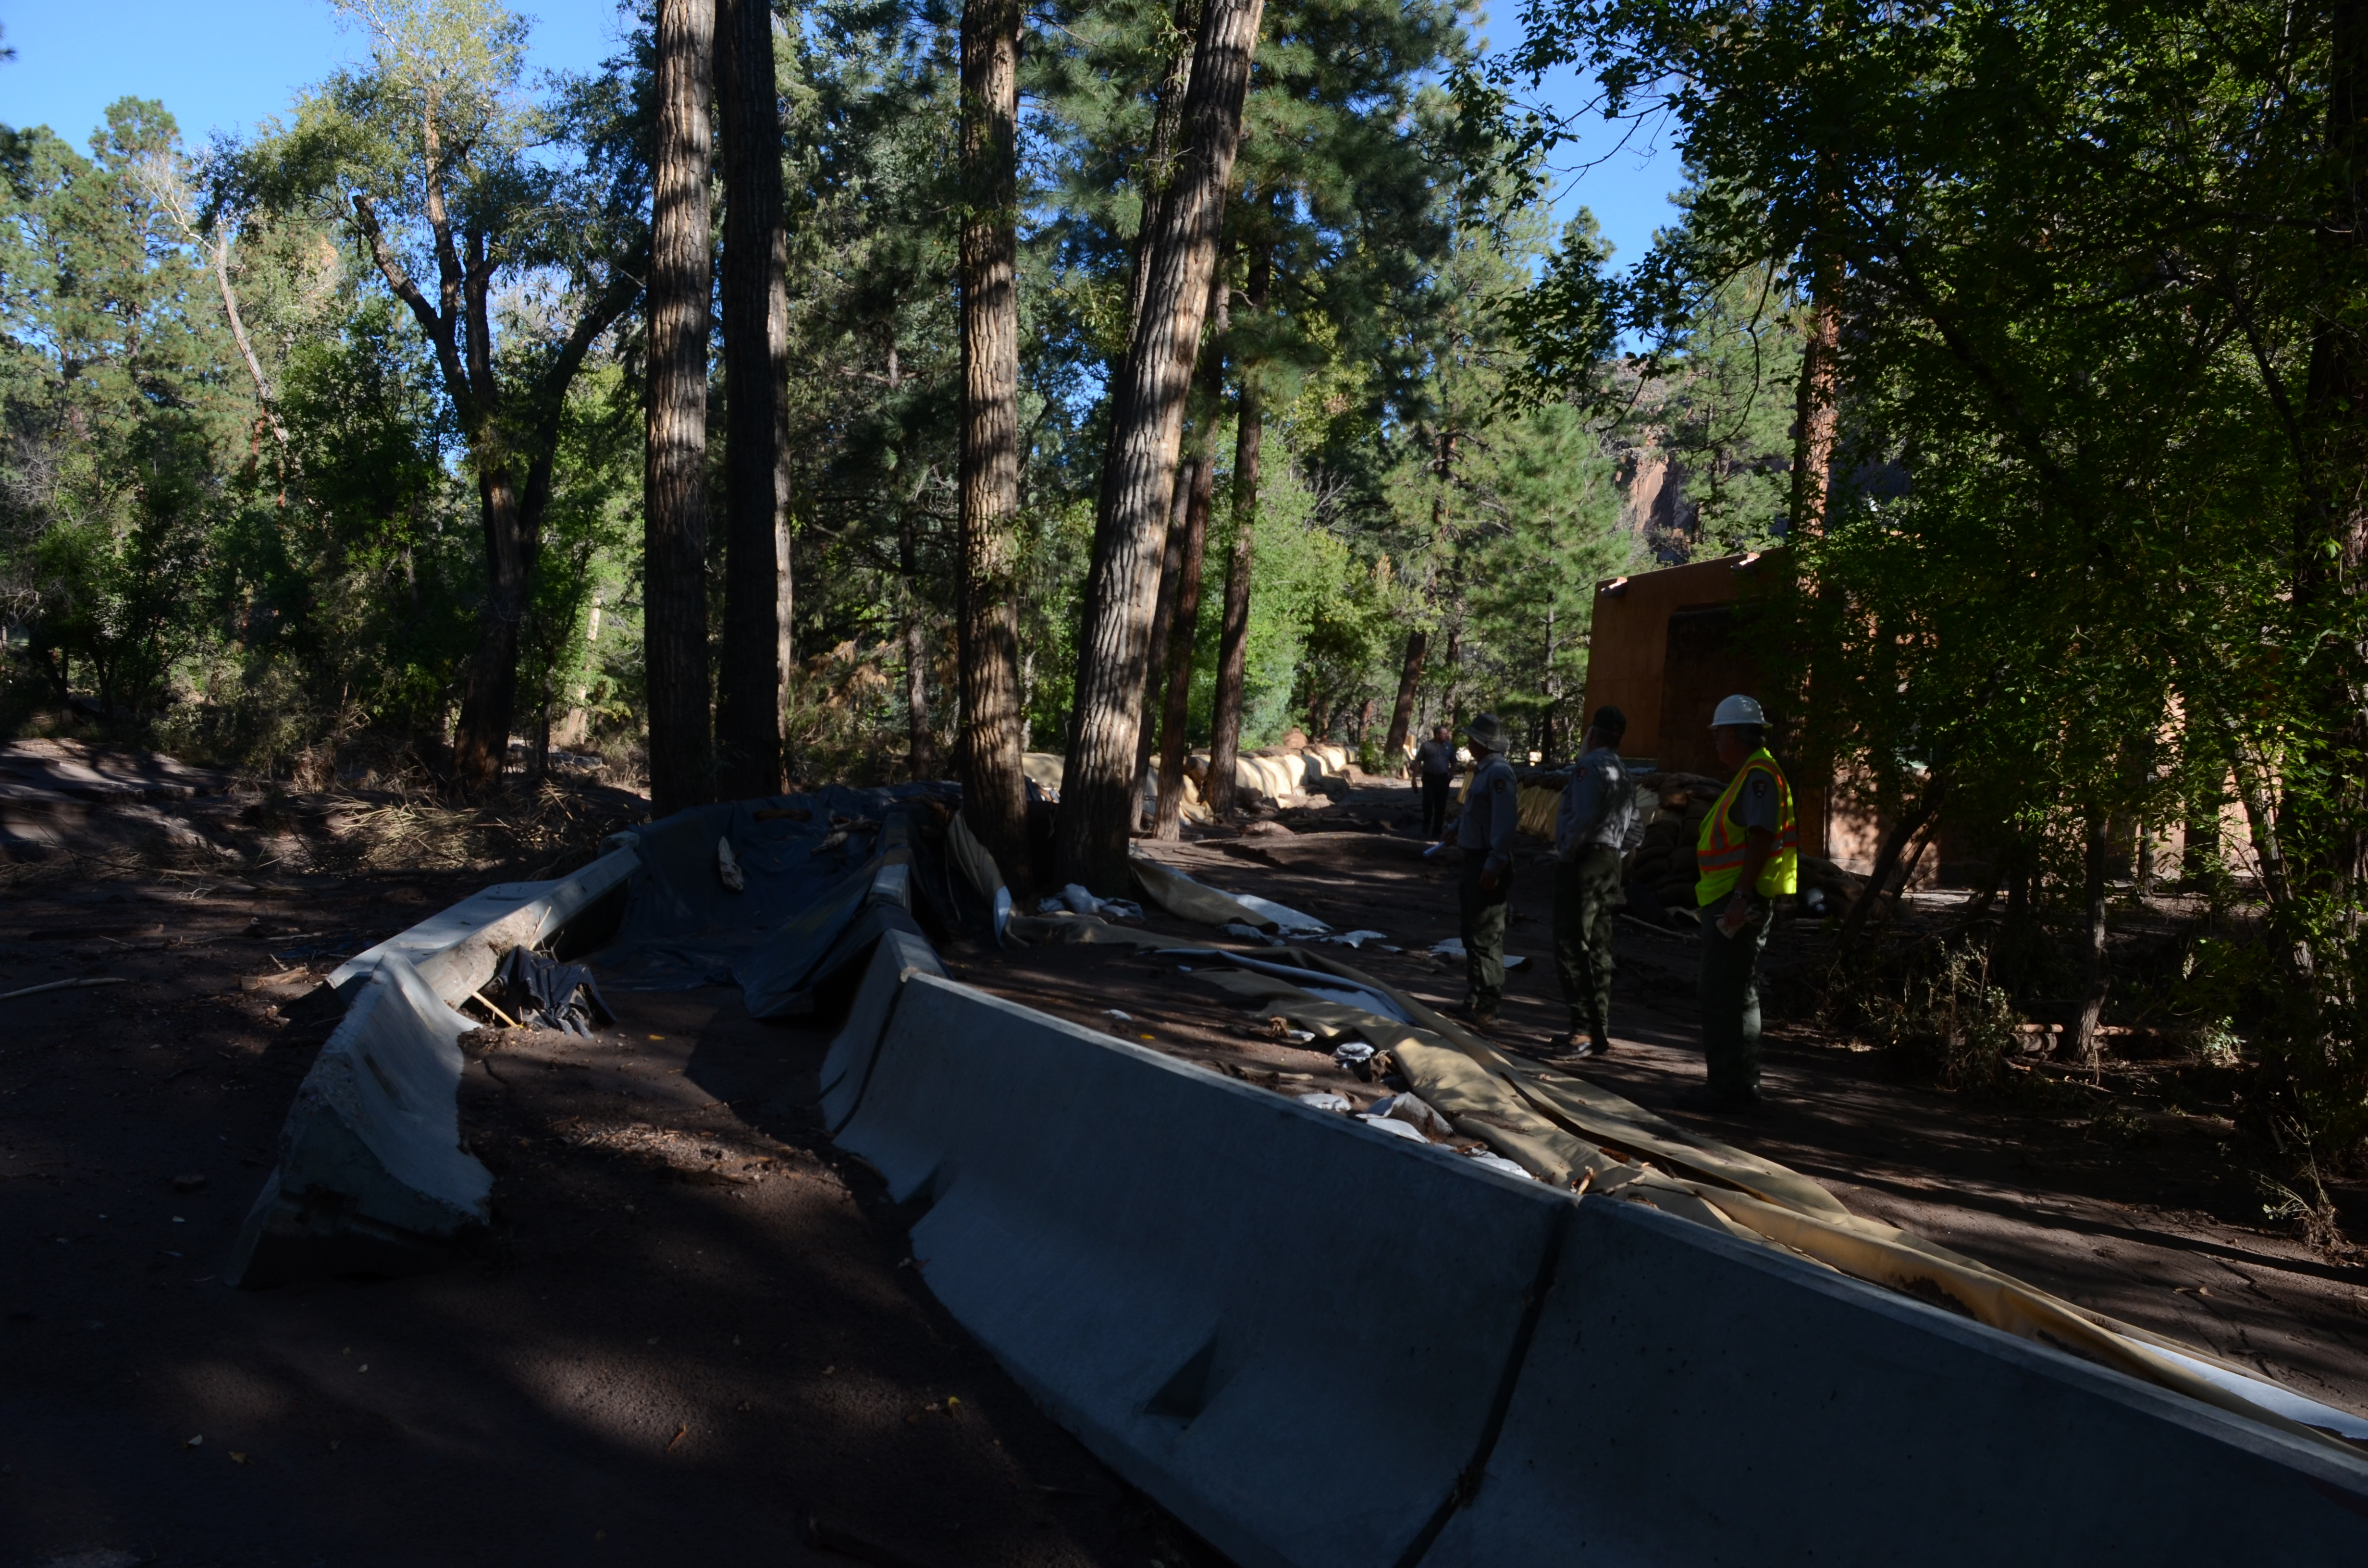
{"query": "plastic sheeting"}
(808, 864)
(1188, 898)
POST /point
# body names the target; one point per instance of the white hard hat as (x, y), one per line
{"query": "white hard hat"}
(1739, 710)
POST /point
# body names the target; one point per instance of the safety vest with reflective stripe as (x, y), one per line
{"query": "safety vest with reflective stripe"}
(1718, 856)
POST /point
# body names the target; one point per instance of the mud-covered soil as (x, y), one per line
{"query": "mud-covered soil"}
(690, 1336)
(690, 1340)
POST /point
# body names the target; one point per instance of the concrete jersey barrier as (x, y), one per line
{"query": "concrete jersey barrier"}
(371, 1174)
(1310, 1342)
(1289, 1329)
(457, 950)
(1692, 1399)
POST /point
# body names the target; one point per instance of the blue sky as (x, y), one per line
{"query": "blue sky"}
(217, 64)
(227, 64)
(1627, 184)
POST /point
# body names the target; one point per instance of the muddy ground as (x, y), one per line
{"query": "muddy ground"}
(692, 1335)
(692, 1339)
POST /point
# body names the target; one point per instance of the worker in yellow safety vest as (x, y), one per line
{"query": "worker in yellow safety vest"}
(1749, 856)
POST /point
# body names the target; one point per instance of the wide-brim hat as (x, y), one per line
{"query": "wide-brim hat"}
(1487, 731)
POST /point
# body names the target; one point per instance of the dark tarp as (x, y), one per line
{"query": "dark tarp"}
(807, 864)
(544, 993)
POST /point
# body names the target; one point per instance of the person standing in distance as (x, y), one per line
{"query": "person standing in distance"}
(1599, 805)
(1492, 810)
(1434, 765)
(1749, 856)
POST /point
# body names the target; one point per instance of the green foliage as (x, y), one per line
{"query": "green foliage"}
(2084, 562)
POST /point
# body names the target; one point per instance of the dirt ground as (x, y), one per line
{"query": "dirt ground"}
(692, 1326)
(690, 1340)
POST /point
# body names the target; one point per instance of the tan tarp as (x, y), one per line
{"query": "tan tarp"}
(1569, 1133)
(978, 867)
(1043, 770)
(1179, 896)
(1061, 926)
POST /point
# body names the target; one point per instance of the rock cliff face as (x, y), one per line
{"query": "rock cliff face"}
(1655, 510)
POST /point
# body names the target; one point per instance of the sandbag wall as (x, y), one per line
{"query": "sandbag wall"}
(1317, 1344)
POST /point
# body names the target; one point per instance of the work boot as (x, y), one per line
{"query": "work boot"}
(1478, 1016)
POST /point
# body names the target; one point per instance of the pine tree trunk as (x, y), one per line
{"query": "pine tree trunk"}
(1233, 636)
(674, 501)
(481, 741)
(921, 757)
(1147, 427)
(1159, 160)
(2096, 981)
(755, 257)
(1171, 574)
(1402, 710)
(1813, 431)
(785, 655)
(1183, 629)
(994, 724)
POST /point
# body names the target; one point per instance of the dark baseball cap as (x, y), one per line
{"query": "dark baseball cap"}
(1610, 720)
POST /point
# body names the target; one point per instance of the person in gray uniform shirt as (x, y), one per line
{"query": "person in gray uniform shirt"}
(1599, 805)
(1435, 765)
(1484, 834)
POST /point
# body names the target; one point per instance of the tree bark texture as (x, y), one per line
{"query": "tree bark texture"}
(756, 367)
(1234, 632)
(1163, 615)
(994, 723)
(1184, 625)
(784, 596)
(921, 756)
(1402, 710)
(921, 752)
(673, 484)
(1147, 427)
(1159, 157)
(1813, 431)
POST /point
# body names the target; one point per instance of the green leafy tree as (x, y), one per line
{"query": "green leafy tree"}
(528, 261)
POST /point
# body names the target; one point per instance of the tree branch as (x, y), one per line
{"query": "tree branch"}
(436, 324)
(551, 393)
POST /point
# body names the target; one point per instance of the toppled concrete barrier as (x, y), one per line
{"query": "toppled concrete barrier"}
(847, 1068)
(1288, 1329)
(1692, 1399)
(371, 1176)
(457, 950)
(1316, 1346)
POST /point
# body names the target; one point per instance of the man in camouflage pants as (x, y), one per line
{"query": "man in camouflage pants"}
(1599, 804)
(1492, 810)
